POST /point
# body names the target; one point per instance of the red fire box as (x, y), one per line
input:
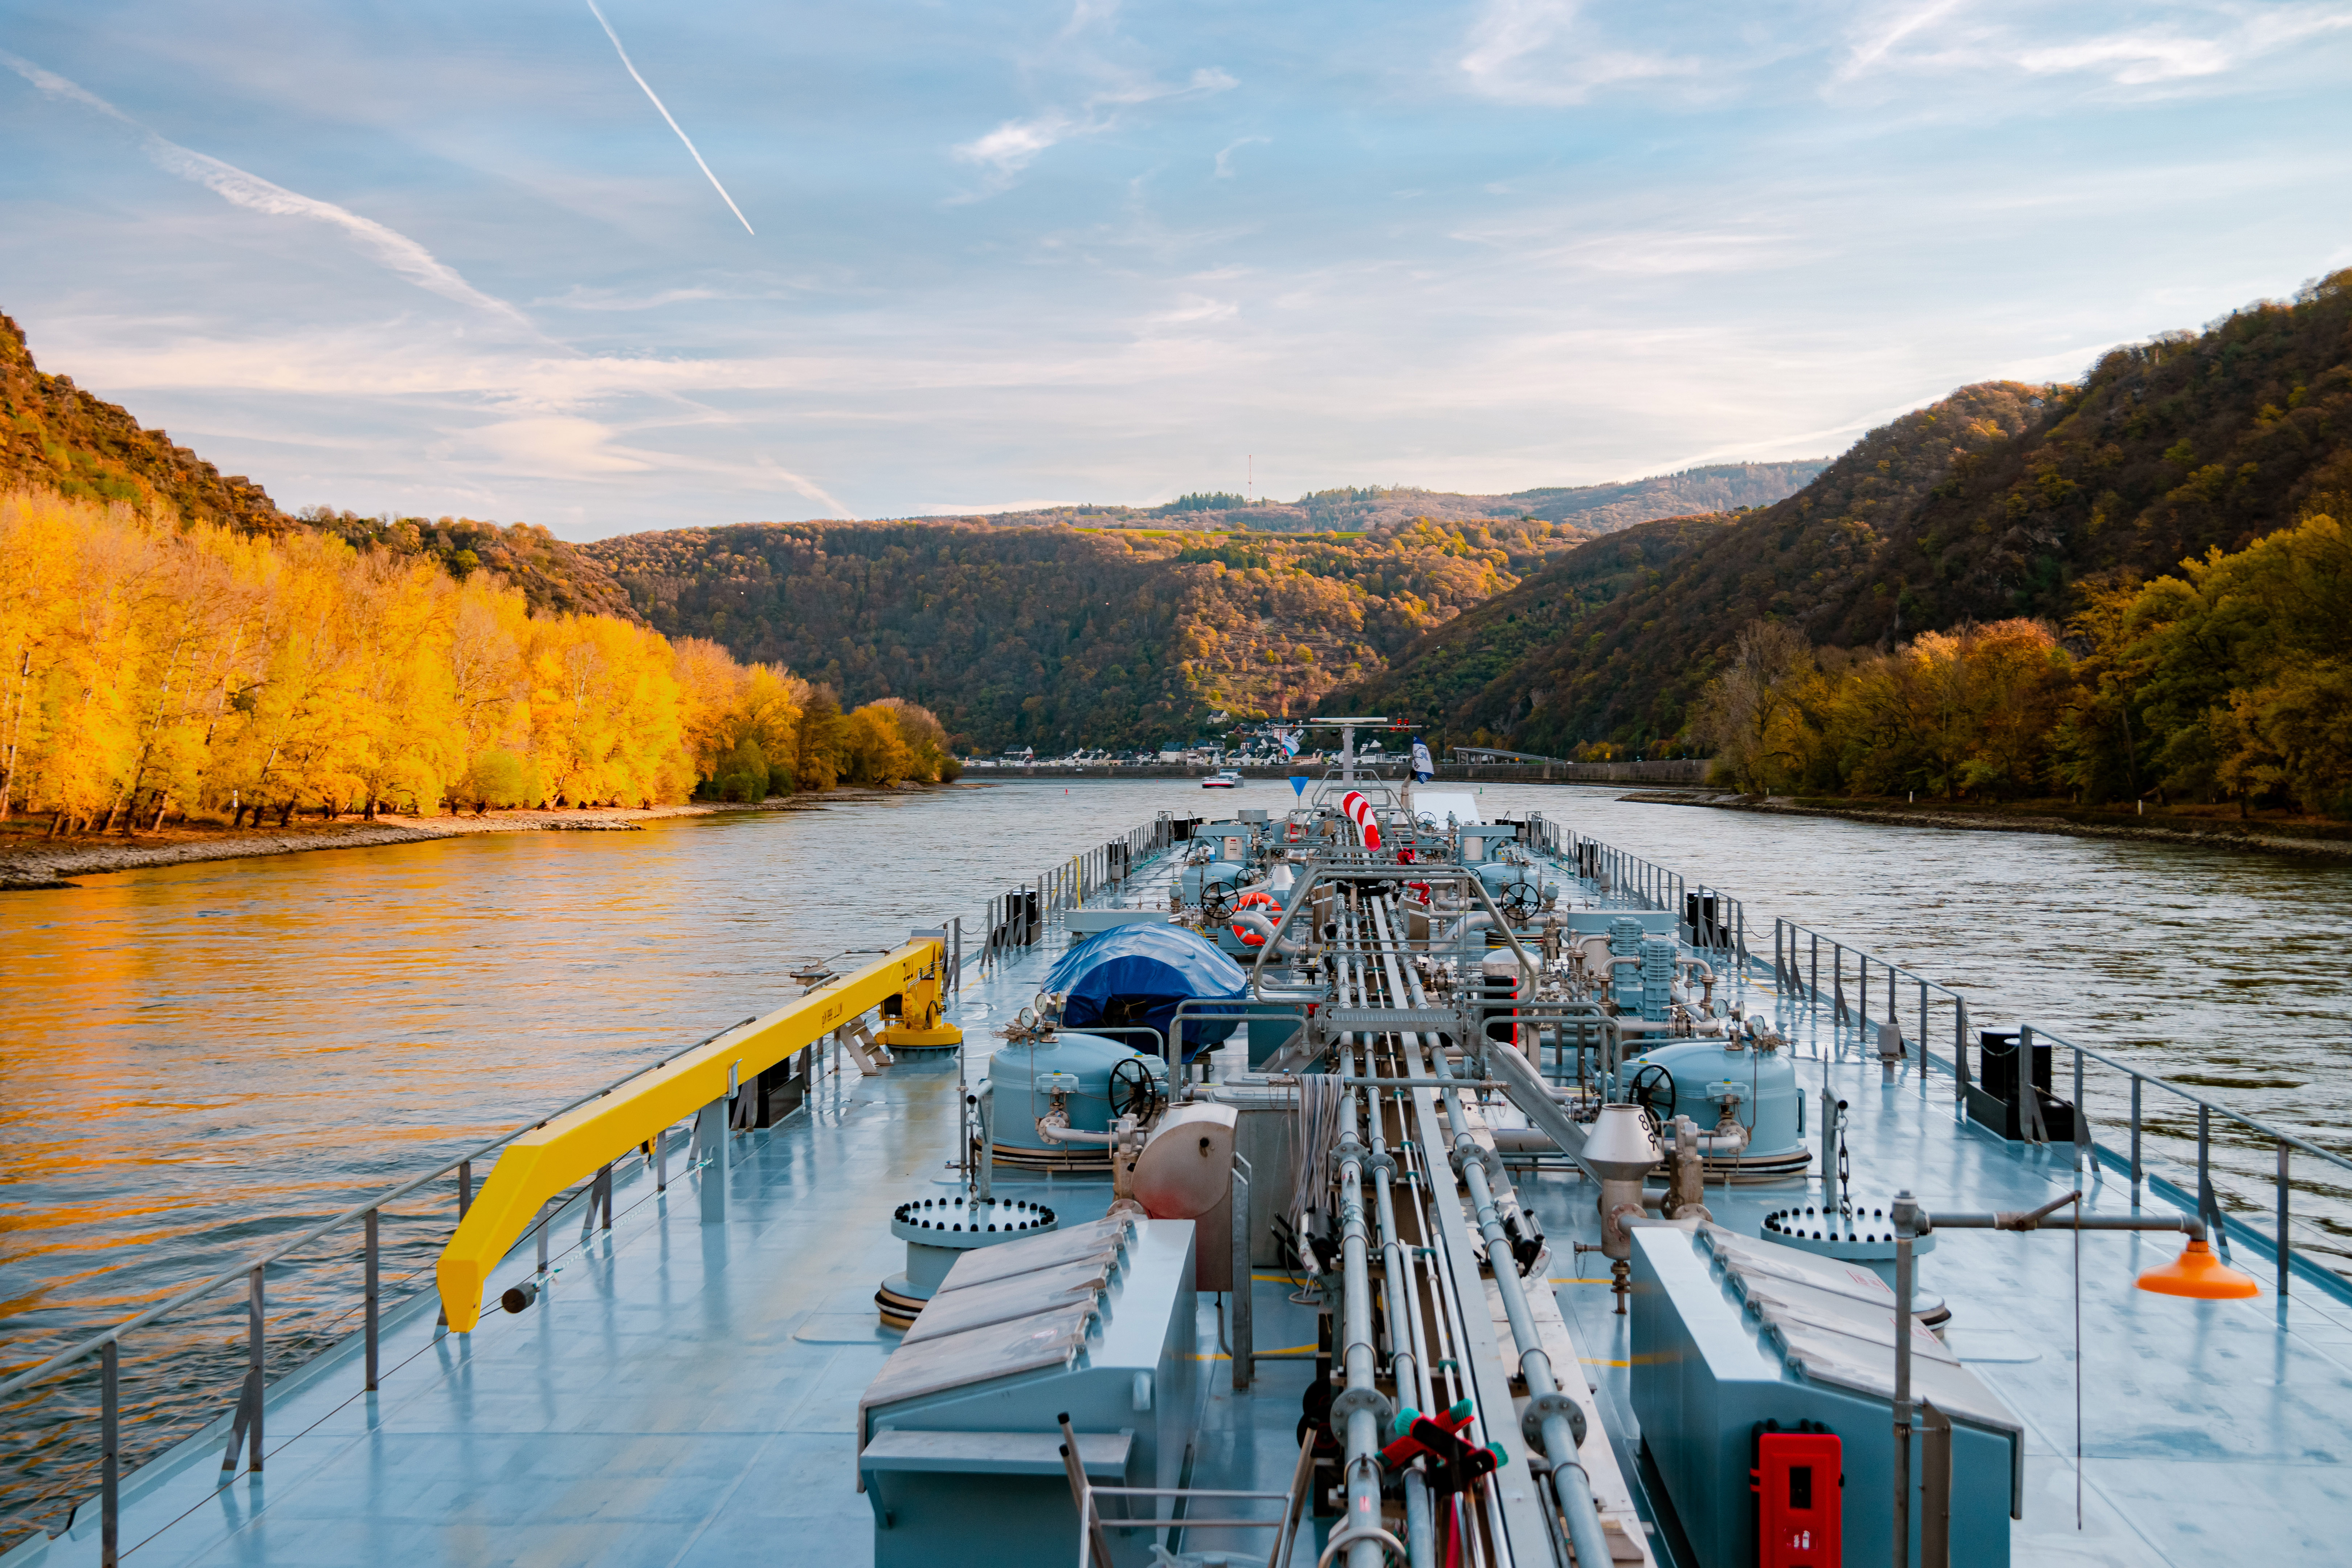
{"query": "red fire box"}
(1800, 1499)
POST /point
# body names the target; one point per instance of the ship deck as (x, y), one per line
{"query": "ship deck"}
(682, 1393)
(2211, 1431)
(686, 1393)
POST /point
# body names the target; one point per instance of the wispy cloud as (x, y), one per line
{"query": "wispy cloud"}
(1533, 51)
(242, 188)
(2195, 40)
(578, 298)
(1225, 153)
(631, 67)
(1012, 146)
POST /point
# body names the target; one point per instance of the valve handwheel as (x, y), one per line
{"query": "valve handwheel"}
(1135, 1091)
(1217, 900)
(1654, 1084)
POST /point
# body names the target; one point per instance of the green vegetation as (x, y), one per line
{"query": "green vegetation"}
(2001, 502)
(1057, 638)
(2232, 681)
(55, 436)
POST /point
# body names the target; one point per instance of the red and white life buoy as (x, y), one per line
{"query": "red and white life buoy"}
(1251, 938)
(1359, 811)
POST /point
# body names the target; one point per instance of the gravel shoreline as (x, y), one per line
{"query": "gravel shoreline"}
(33, 862)
(2214, 838)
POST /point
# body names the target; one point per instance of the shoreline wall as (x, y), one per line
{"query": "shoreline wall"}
(1690, 771)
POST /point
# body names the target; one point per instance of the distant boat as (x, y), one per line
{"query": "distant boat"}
(1224, 778)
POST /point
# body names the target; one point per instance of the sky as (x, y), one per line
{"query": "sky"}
(624, 266)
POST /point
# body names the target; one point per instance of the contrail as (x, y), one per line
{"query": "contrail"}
(632, 68)
(241, 188)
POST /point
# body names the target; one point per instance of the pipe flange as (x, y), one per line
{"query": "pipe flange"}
(1351, 1400)
(1490, 1161)
(1381, 1160)
(1542, 1408)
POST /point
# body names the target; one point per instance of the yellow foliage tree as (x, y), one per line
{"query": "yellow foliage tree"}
(150, 667)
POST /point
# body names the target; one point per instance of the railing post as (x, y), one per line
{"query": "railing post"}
(110, 1437)
(372, 1300)
(254, 1331)
(2208, 1207)
(2026, 1094)
(465, 1186)
(710, 1141)
(1959, 1047)
(2286, 1258)
(2134, 1140)
(2086, 1158)
(1814, 989)
(1244, 1322)
(1922, 1036)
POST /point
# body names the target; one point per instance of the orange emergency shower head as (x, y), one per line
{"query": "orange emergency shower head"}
(2198, 1273)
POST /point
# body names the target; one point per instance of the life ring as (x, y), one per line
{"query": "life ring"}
(1248, 937)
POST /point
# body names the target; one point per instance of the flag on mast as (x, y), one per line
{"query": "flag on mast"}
(1424, 770)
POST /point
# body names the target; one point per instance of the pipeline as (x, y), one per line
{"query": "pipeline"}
(1364, 1402)
(1251, 921)
(1549, 1411)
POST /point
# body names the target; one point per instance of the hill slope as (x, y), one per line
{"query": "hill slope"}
(1999, 500)
(1379, 508)
(1059, 637)
(54, 435)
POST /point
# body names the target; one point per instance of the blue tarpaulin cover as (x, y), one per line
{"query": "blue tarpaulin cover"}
(1136, 975)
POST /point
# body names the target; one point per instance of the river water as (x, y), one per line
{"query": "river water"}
(197, 1059)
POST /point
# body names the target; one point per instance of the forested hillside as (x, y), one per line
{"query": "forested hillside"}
(1485, 650)
(1055, 635)
(1601, 509)
(1999, 502)
(55, 436)
(1060, 637)
(552, 575)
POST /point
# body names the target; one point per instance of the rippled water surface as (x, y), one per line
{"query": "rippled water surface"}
(200, 1058)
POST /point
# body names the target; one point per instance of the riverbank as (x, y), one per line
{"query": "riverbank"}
(2291, 835)
(30, 861)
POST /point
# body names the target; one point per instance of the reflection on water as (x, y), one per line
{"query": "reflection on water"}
(202, 1059)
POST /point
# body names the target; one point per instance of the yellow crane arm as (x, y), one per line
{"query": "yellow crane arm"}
(550, 1157)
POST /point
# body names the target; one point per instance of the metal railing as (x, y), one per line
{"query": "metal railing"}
(2196, 1189)
(1796, 952)
(1799, 954)
(24, 1391)
(252, 1276)
(1017, 921)
(1711, 918)
(1862, 989)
